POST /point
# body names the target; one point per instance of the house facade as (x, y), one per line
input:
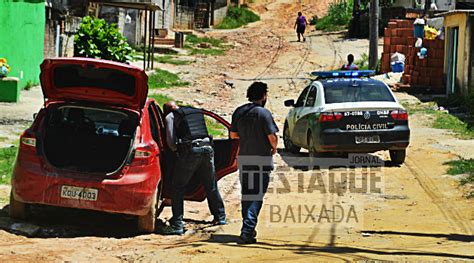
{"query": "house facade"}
(22, 31)
(459, 56)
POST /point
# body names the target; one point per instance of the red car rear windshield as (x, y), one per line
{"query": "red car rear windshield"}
(74, 76)
(356, 92)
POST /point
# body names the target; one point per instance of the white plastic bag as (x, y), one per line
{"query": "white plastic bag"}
(419, 43)
(397, 57)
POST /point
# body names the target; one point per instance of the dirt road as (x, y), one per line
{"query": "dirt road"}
(418, 214)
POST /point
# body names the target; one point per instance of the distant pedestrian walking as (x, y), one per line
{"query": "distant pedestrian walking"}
(300, 26)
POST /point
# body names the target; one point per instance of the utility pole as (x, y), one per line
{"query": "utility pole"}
(374, 33)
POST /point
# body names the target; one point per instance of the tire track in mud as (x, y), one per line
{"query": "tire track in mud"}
(448, 210)
(275, 56)
(337, 52)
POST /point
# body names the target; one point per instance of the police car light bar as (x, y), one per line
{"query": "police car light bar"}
(344, 74)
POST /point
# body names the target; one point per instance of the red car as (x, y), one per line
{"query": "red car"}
(99, 143)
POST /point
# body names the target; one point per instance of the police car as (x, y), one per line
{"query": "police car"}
(347, 112)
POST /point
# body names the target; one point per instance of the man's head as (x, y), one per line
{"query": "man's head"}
(350, 58)
(257, 92)
(300, 14)
(170, 106)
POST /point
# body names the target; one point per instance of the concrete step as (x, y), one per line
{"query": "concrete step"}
(164, 41)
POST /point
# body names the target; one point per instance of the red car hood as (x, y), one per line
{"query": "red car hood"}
(94, 80)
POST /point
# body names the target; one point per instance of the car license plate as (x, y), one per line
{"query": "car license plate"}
(79, 193)
(367, 139)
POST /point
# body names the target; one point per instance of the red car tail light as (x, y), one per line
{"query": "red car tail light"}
(330, 116)
(28, 141)
(143, 155)
(401, 115)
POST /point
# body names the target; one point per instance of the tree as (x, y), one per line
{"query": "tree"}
(97, 39)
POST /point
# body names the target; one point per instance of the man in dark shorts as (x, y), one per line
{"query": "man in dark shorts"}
(256, 129)
(300, 26)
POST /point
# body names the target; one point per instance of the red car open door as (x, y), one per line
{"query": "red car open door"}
(225, 158)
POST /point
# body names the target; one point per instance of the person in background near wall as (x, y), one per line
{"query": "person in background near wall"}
(300, 26)
(253, 124)
(350, 64)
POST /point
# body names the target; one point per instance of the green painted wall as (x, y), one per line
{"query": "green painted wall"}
(22, 25)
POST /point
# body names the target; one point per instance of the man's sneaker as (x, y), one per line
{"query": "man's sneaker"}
(171, 230)
(219, 222)
(246, 239)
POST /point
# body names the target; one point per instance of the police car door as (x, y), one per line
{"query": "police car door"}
(303, 117)
(295, 113)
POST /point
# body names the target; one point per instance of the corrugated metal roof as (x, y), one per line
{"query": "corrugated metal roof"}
(457, 11)
(135, 4)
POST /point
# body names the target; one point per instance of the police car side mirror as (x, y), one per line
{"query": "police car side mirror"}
(289, 103)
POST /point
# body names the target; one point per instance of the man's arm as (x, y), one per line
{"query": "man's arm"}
(273, 139)
(270, 128)
(170, 134)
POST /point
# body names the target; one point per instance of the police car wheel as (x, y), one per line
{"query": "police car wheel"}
(289, 146)
(397, 156)
(311, 148)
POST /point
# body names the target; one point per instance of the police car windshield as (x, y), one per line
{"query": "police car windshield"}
(351, 91)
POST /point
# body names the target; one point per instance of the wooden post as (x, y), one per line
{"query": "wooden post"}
(374, 33)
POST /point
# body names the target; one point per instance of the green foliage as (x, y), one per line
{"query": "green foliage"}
(363, 62)
(7, 160)
(314, 20)
(237, 17)
(339, 16)
(162, 79)
(97, 39)
(160, 98)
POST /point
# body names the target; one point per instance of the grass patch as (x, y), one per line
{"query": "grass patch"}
(162, 79)
(167, 59)
(442, 120)
(7, 160)
(207, 51)
(160, 98)
(463, 166)
(446, 121)
(215, 128)
(338, 18)
(195, 40)
(237, 17)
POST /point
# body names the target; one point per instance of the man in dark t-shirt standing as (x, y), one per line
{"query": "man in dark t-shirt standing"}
(256, 129)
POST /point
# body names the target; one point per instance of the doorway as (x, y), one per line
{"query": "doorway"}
(453, 39)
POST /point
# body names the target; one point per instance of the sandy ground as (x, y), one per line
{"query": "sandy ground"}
(418, 214)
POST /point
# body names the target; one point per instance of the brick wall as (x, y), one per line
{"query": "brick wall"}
(425, 73)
